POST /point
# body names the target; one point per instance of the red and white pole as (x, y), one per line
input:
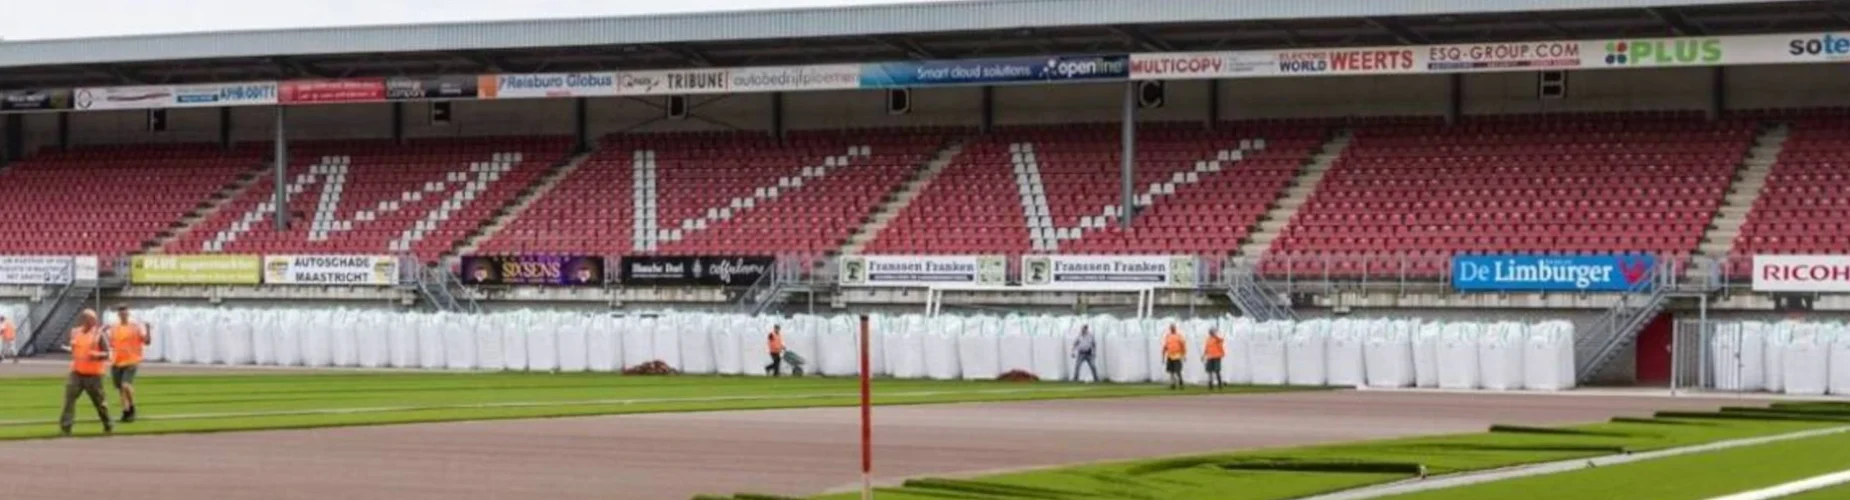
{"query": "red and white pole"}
(867, 415)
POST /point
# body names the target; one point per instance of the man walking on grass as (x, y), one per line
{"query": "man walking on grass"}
(1174, 349)
(1085, 351)
(1216, 349)
(128, 338)
(775, 344)
(89, 354)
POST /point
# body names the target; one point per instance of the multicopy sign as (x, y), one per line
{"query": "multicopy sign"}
(1546, 273)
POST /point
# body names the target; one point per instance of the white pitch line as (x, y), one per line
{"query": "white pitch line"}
(1472, 478)
(1792, 488)
(590, 402)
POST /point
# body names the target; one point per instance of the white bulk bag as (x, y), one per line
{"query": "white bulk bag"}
(979, 349)
(288, 341)
(1343, 352)
(1017, 346)
(235, 339)
(205, 338)
(638, 338)
(574, 344)
(697, 347)
(543, 342)
(838, 350)
(1807, 361)
(906, 351)
(179, 336)
(1840, 360)
(372, 341)
(665, 335)
(1548, 357)
(459, 342)
(430, 341)
(1500, 355)
(513, 329)
(1267, 354)
(1053, 354)
(1776, 337)
(1737, 357)
(941, 361)
(343, 339)
(1125, 351)
(317, 341)
(1305, 353)
(1388, 355)
(1426, 354)
(156, 351)
(602, 349)
(404, 341)
(1457, 356)
(1237, 368)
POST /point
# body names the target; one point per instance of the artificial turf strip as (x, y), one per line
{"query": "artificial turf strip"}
(1839, 492)
(1240, 475)
(183, 404)
(1693, 476)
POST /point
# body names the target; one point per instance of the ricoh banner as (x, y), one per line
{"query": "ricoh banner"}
(357, 270)
(924, 270)
(1802, 273)
(1163, 271)
(37, 270)
(1552, 273)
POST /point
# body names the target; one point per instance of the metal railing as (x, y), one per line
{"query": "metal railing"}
(1252, 297)
(1620, 324)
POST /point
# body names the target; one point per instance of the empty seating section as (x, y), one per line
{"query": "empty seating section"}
(722, 193)
(1804, 207)
(375, 197)
(108, 201)
(1419, 192)
(1058, 189)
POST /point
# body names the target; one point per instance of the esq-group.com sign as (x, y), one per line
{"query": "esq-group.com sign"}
(1551, 273)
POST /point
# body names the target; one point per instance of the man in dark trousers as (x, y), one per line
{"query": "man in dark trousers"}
(775, 344)
(1085, 353)
(1216, 350)
(89, 358)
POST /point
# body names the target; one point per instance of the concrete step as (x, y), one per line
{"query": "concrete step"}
(899, 200)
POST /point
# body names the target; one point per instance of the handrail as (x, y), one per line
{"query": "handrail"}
(39, 316)
(1614, 327)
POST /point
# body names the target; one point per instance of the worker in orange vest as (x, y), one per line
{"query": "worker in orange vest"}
(89, 355)
(775, 344)
(1174, 349)
(8, 334)
(128, 338)
(1217, 349)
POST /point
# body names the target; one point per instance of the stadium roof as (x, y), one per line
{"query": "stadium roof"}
(945, 30)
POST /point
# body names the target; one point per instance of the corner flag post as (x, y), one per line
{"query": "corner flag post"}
(867, 416)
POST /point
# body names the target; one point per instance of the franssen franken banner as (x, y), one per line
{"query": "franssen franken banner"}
(1397, 60)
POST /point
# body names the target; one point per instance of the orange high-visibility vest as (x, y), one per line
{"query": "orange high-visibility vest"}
(777, 343)
(85, 345)
(127, 341)
(1217, 347)
(1173, 348)
(7, 330)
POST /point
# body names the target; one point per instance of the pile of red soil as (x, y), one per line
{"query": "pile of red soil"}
(1018, 376)
(656, 367)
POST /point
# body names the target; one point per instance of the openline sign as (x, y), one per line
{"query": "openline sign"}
(1802, 273)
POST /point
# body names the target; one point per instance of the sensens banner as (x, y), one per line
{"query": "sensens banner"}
(924, 270)
(1001, 70)
(36, 270)
(566, 270)
(196, 270)
(1094, 271)
(330, 270)
(1549, 273)
(1802, 273)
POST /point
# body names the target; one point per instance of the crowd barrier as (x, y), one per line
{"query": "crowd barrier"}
(1796, 358)
(1347, 353)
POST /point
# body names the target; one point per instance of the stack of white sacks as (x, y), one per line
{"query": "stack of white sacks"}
(1347, 353)
(1806, 359)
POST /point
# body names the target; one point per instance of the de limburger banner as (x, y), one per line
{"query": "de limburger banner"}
(1552, 273)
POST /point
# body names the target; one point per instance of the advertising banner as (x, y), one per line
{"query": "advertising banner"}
(695, 271)
(555, 270)
(1506, 56)
(1551, 273)
(399, 88)
(332, 91)
(924, 270)
(35, 100)
(1000, 70)
(541, 85)
(106, 98)
(1096, 271)
(87, 267)
(796, 78)
(36, 270)
(1802, 273)
(175, 96)
(196, 270)
(675, 82)
(330, 270)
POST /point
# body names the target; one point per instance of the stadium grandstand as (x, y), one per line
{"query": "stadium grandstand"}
(1267, 159)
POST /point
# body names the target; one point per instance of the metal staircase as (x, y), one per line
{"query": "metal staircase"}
(51, 326)
(775, 287)
(1253, 298)
(443, 291)
(1618, 327)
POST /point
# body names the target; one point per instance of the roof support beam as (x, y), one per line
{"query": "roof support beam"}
(291, 67)
(909, 46)
(691, 54)
(1401, 33)
(122, 75)
(1141, 38)
(1677, 23)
